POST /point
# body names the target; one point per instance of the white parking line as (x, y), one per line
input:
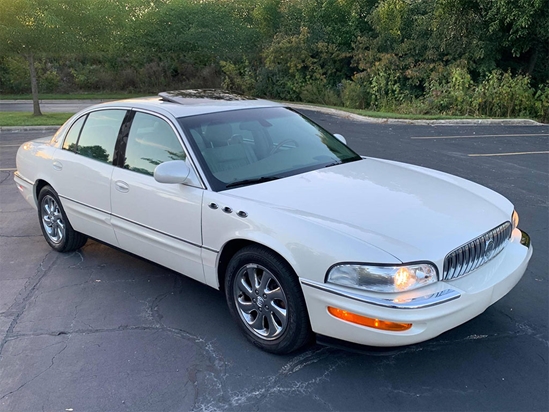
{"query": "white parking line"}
(507, 154)
(8, 170)
(10, 145)
(482, 135)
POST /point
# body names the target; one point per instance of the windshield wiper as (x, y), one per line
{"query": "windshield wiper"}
(252, 181)
(338, 162)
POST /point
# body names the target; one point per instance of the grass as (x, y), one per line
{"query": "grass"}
(27, 119)
(78, 96)
(386, 115)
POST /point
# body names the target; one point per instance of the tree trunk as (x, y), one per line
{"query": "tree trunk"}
(34, 87)
(533, 61)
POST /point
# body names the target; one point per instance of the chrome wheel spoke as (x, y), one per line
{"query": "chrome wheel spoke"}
(47, 206)
(257, 324)
(274, 328)
(279, 312)
(245, 288)
(274, 294)
(254, 276)
(60, 229)
(246, 306)
(265, 279)
(47, 220)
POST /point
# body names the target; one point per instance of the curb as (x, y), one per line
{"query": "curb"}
(448, 122)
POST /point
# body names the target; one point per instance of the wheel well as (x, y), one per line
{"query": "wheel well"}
(229, 250)
(38, 185)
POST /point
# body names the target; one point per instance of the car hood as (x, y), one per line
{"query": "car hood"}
(411, 212)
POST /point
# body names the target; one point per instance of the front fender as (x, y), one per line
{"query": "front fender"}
(308, 247)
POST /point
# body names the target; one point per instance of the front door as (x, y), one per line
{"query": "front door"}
(161, 222)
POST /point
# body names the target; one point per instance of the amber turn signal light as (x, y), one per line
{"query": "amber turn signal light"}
(369, 322)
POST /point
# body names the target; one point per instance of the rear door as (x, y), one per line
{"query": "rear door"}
(161, 222)
(85, 166)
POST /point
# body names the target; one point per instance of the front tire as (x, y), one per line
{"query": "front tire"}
(265, 299)
(55, 225)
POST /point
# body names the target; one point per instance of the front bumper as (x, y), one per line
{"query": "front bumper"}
(431, 310)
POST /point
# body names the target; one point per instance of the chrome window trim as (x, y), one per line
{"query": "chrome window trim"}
(61, 139)
(419, 302)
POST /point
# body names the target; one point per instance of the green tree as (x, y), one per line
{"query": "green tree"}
(523, 27)
(39, 28)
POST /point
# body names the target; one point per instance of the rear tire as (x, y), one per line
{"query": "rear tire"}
(265, 299)
(55, 225)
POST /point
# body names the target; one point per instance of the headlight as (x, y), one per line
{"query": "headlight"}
(515, 219)
(383, 278)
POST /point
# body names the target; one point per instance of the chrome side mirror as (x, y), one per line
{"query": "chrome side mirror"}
(340, 138)
(174, 171)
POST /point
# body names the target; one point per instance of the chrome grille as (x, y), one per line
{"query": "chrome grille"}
(463, 260)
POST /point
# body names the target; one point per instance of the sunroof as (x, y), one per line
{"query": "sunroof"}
(190, 96)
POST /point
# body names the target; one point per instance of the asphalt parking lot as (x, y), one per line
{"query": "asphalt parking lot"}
(103, 330)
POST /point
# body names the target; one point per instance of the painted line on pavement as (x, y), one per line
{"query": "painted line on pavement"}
(8, 170)
(506, 154)
(482, 135)
(10, 145)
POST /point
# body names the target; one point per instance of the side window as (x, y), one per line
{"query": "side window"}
(151, 142)
(99, 134)
(72, 135)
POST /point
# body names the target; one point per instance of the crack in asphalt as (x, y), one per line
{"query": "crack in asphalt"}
(6, 178)
(20, 304)
(65, 343)
(265, 388)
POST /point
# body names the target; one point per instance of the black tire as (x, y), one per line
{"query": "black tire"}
(284, 326)
(55, 225)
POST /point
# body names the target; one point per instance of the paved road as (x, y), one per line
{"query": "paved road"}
(102, 330)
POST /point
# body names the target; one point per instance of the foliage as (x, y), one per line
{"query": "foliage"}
(502, 95)
(455, 57)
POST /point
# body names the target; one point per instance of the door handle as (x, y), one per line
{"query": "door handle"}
(122, 186)
(57, 165)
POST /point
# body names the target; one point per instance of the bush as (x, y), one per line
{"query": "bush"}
(239, 78)
(542, 103)
(319, 92)
(354, 94)
(502, 95)
(386, 93)
(450, 91)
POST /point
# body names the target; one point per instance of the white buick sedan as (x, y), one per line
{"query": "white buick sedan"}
(304, 236)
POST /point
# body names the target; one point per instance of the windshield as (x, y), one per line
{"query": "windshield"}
(248, 146)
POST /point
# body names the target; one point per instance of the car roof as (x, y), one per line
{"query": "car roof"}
(183, 103)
